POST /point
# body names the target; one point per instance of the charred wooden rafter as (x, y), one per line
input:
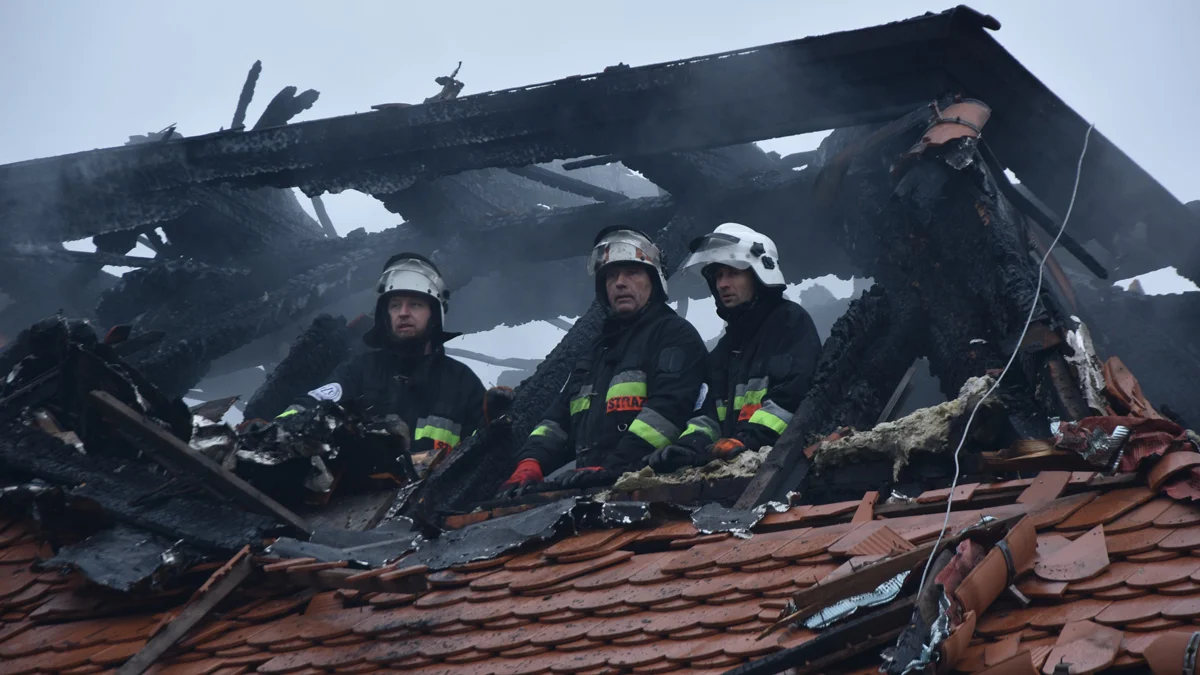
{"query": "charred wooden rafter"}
(830, 81)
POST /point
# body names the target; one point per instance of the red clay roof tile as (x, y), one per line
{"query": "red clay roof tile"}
(813, 542)
(1107, 507)
(1086, 647)
(1082, 559)
(1170, 465)
(1180, 514)
(1136, 541)
(1153, 625)
(1120, 593)
(873, 538)
(1152, 556)
(1057, 616)
(1163, 573)
(1121, 612)
(1112, 577)
(1046, 487)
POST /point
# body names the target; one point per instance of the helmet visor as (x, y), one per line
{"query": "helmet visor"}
(621, 250)
(413, 276)
(718, 248)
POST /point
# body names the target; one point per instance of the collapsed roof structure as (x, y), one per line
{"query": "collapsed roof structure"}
(144, 537)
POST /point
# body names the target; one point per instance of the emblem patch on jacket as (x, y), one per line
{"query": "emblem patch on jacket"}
(328, 392)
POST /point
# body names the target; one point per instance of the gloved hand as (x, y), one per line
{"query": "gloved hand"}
(527, 474)
(497, 401)
(727, 448)
(675, 457)
(586, 477)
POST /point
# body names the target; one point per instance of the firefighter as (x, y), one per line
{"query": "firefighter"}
(763, 366)
(636, 388)
(406, 371)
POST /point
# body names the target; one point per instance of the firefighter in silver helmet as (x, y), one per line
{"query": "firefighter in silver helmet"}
(637, 387)
(406, 371)
(763, 366)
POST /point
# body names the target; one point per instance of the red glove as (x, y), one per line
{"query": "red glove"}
(528, 472)
(727, 448)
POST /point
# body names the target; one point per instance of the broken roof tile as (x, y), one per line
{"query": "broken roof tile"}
(1082, 559)
(1046, 487)
(1085, 647)
(1170, 465)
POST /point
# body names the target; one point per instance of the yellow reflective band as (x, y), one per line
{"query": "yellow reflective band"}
(721, 413)
(438, 434)
(766, 419)
(754, 397)
(286, 413)
(627, 389)
(649, 434)
(540, 430)
(704, 429)
(580, 404)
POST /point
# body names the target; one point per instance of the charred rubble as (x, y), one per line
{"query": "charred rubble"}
(135, 490)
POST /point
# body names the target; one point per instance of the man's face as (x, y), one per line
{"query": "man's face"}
(628, 286)
(734, 286)
(409, 314)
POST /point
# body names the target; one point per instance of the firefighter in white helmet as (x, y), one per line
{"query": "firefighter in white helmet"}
(763, 366)
(637, 387)
(407, 372)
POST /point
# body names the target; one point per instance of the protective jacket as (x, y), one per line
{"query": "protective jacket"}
(633, 392)
(762, 368)
(439, 398)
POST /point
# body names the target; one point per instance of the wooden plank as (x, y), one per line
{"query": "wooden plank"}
(900, 391)
(220, 585)
(175, 455)
(815, 598)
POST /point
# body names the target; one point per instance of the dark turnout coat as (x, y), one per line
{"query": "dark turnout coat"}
(634, 392)
(761, 369)
(439, 398)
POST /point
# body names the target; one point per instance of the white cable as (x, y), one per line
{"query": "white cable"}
(1016, 350)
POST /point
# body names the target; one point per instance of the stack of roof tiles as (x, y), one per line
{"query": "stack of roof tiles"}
(1114, 572)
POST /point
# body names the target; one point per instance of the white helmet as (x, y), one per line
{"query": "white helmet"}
(409, 272)
(620, 244)
(740, 247)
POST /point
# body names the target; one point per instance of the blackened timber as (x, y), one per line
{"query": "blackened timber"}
(220, 585)
(567, 183)
(1039, 137)
(296, 282)
(171, 451)
(714, 101)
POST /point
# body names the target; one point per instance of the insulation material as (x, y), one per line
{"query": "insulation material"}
(743, 466)
(933, 430)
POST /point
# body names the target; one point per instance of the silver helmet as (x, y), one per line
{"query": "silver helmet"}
(617, 245)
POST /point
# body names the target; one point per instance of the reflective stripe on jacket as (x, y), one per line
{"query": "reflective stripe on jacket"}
(760, 372)
(634, 392)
